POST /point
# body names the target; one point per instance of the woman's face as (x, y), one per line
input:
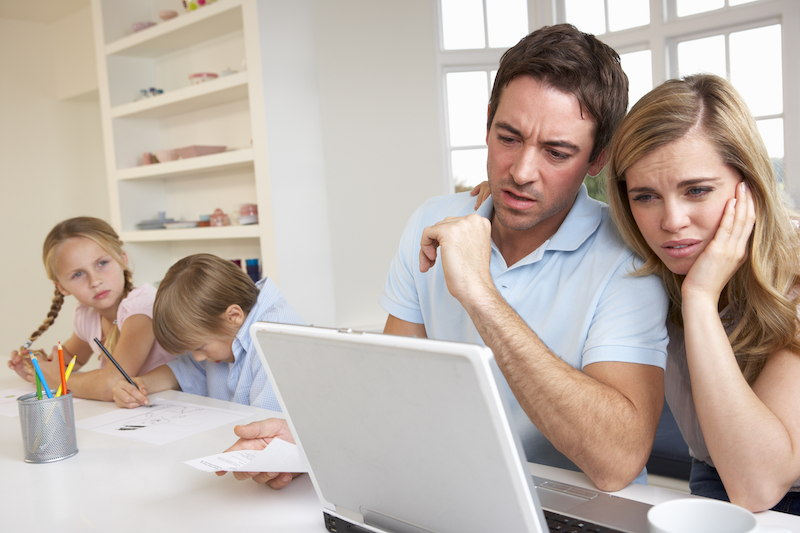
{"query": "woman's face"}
(677, 195)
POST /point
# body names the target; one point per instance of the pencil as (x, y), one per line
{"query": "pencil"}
(38, 370)
(38, 386)
(66, 376)
(61, 369)
(126, 376)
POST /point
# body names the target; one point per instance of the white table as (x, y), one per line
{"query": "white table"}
(116, 484)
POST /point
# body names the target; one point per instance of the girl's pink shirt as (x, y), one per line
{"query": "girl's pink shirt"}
(86, 324)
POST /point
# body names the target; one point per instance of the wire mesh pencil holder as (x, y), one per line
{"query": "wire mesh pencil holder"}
(48, 427)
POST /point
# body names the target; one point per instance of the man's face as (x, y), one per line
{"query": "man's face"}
(539, 147)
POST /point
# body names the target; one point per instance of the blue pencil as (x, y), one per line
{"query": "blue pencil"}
(38, 369)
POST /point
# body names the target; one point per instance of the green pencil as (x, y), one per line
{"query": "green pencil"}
(38, 387)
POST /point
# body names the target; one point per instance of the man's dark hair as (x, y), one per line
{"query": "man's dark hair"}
(566, 59)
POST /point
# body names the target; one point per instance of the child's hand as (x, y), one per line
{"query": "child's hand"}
(256, 436)
(482, 192)
(21, 364)
(127, 396)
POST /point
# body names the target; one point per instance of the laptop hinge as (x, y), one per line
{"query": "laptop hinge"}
(350, 515)
(390, 523)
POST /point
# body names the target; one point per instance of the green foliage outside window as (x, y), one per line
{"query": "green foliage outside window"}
(596, 186)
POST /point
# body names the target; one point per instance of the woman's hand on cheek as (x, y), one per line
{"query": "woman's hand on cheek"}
(727, 252)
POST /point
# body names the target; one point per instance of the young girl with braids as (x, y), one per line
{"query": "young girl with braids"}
(84, 258)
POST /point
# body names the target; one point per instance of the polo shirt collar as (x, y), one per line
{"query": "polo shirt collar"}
(581, 222)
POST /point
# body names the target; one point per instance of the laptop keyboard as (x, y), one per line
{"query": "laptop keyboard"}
(558, 523)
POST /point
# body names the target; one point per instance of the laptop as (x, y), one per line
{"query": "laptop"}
(408, 435)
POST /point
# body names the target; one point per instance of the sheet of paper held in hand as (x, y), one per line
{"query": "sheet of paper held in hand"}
(278, 456)
(166, 421)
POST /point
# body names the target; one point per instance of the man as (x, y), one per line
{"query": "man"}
(539, 274)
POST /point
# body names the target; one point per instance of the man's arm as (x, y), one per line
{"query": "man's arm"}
(395, 326)
(603, 419)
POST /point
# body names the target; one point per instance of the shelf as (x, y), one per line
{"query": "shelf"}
(232, 160)
(219, 18)
(192, 234)
(203, 95)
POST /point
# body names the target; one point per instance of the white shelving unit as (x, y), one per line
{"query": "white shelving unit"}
(266, 114)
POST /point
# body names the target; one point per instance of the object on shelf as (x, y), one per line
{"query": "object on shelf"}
(148, 93)
(167, 14)
(248, 214)
(166, 155)
(191, 5)
(237, 262)
(195, 151)
(181, 224)
(141, 25)
(149, 159)
(205, 221)
(253, 269)
(155, 223)
(227, 72)
(200, 77)
(218, 218)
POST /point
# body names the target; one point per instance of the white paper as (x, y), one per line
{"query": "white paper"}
(166, 421)
(278, 456)
(8, 399)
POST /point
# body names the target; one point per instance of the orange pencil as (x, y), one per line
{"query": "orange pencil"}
(61, 368)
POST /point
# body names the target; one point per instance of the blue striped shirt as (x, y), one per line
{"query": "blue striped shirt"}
(245, 380)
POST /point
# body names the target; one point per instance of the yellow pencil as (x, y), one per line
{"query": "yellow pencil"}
(66, 376)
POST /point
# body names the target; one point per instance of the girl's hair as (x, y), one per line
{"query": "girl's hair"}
(193, 297)
(762, 292)
(95, 230)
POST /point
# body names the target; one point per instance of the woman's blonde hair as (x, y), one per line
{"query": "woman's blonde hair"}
(761, 293)
(192, 298)
(95, 230)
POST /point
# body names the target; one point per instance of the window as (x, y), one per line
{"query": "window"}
(747, 41)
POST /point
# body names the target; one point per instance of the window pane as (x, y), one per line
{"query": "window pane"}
(469, 168)
(587, 15)
(772, 132)
(740, 2)
(756, 68)
(624, 14)
(702, 55)
(507, 22)
(467, 98)
(639, 68)
(690, 7)
(462, 24)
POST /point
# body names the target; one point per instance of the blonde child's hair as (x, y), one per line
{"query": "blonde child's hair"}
(763, 292)
(192, 298)
(95, 230)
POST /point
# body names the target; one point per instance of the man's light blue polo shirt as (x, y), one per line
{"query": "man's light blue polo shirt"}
(245, 380)
(574, 291)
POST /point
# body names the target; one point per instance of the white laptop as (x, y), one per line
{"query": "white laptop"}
(409, 435)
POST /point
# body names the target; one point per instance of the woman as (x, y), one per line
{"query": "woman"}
(692, 191)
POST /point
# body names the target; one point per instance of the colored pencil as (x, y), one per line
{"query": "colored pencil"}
(38, 386)
(61, 369)
(38, 370)
(66, 376)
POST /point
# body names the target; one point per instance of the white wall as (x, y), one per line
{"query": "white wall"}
(52, 169)
(380, 124)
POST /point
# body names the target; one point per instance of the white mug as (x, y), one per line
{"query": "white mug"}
(704, 515)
